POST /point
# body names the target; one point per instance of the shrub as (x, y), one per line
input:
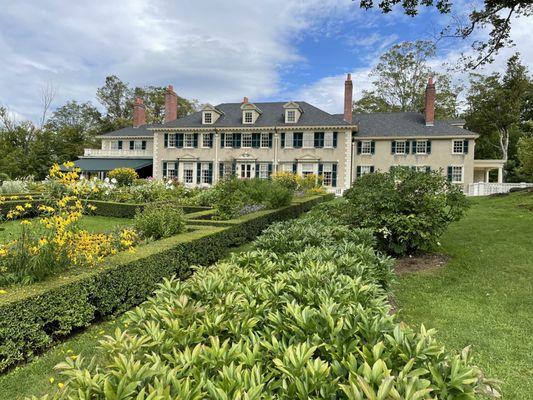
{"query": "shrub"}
(277, 196)
(159, 220)
(407, 210)
(123, 176)
(308, 182)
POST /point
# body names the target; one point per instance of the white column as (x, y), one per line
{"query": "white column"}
(500, 175)
(487, 176)
(216, 169)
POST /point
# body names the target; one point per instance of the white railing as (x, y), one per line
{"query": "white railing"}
(485, 189)
(336, 191)
(116, 153)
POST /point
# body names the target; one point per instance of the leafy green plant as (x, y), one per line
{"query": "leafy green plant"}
(123, 176)
(159, 220)
(407, 210)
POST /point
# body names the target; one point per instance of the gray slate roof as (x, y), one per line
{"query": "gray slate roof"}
(131, 131)
(404, 124)
(273, 114)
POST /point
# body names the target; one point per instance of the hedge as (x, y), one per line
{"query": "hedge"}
(127, 210)
(33, 317)
(9, 205)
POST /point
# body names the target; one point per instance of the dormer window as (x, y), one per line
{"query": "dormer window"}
(291, 115)
(248, 117)
(208, 117)
(293, 112)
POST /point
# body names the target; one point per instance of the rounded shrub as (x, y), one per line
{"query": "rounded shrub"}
(159, 220)
(124, 176)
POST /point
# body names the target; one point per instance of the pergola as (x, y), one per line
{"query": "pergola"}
(482, 169)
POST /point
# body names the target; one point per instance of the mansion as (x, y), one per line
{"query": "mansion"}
(257, 139)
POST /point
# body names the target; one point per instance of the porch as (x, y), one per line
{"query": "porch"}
(482, 169)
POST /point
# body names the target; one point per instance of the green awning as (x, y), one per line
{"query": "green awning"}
(107, 164)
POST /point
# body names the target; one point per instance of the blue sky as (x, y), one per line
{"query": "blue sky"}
(210, 50)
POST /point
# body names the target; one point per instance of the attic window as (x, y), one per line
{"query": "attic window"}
(248, 117)
(208, 118)
(291, 116)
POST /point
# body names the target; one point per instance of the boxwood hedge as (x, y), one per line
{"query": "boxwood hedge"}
(33, 317)
(127, 210)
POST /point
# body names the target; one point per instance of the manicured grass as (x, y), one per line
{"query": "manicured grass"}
(91, 223)
(484, 296)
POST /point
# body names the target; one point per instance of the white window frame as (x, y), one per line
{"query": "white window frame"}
(204, 173)
(365, 169)
(137, 145)
(462, 144)
(228, 140)
(328, 140)
(366, 147)
(265, 140)
(263, 171)
(171, 141)
(291, 116)
(404, 143)
(114, 145)
(308, 140)
(246, 140)
(327, 174)
(308, 168)
(287, 167)
(422, 143)
(208, 117)
(188, 138)
(188, 167)
(421, 168)
(227, 170)
(289, 139)
(171, 170)
(248, 117)
(455, 174)
(209, 140)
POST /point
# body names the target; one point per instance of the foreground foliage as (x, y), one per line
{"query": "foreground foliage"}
(158, 221)
(309, 323)
(408, 210)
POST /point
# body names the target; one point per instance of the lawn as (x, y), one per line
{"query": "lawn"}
(91, 223)
(484, 296)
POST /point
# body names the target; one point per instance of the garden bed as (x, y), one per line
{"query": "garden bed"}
(33, 317)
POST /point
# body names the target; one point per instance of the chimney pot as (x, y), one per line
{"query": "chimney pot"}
(348, 98)
(429, 108)
(245, 99)
(171, 104)
(139, 113)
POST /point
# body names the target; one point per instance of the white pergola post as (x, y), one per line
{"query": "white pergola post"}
(500, 174)
(487, 176)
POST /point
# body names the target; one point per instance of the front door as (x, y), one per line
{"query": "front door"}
(246, 171)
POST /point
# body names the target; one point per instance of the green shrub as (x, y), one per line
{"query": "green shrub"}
(114, 209)
(33, 317)
(407, 210)
(123, 176)
(159, 220)
(286, 179)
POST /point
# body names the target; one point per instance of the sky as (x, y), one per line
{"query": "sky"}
(209, 50)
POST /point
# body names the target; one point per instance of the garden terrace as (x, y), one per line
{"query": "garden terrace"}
(33, 317)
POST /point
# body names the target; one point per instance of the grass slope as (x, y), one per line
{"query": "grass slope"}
(484, 296)
(91, 223)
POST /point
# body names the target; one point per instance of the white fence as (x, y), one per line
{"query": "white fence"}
(485, 189)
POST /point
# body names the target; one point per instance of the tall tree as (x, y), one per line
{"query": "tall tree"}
(495, 14)
(496, 104)
(400, 80)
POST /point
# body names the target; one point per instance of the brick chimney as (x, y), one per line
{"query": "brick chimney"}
(430, 103)
(171, 104)
(348, 98)
(245, 99)
(139, 113)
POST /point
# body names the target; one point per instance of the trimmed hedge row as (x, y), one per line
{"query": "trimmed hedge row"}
(32, 317)
(127, 210)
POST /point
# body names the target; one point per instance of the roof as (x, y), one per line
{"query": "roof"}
(395, 124)
(107, 164)
(273, 114)
(131, 131)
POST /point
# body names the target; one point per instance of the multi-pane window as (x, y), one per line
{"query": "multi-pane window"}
(246, 140)
(328, 139)
(288, 139)
(291, 116)
(309, 140)
(228, 140)
(287, 167)
(171, 140)
(366, 147)
(208, 117)
(188, 140)
(458, 146)
(307, 169)
(205, 176)
(265, 139)
(327, 175)
(137, 145)
(248, 117)
(227, 170)
(207, 140)
(263, 171)
(422, 168)
(421, 147)
(171, 170)
(400, 147)
(188, 172)
(116, 145)
(457, 174)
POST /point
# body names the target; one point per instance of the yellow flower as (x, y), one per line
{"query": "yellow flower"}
(3, 252)
(25, 222)
(27, 205)
(19, 208)
(60, 385)
(2, 291)
(51, 379)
